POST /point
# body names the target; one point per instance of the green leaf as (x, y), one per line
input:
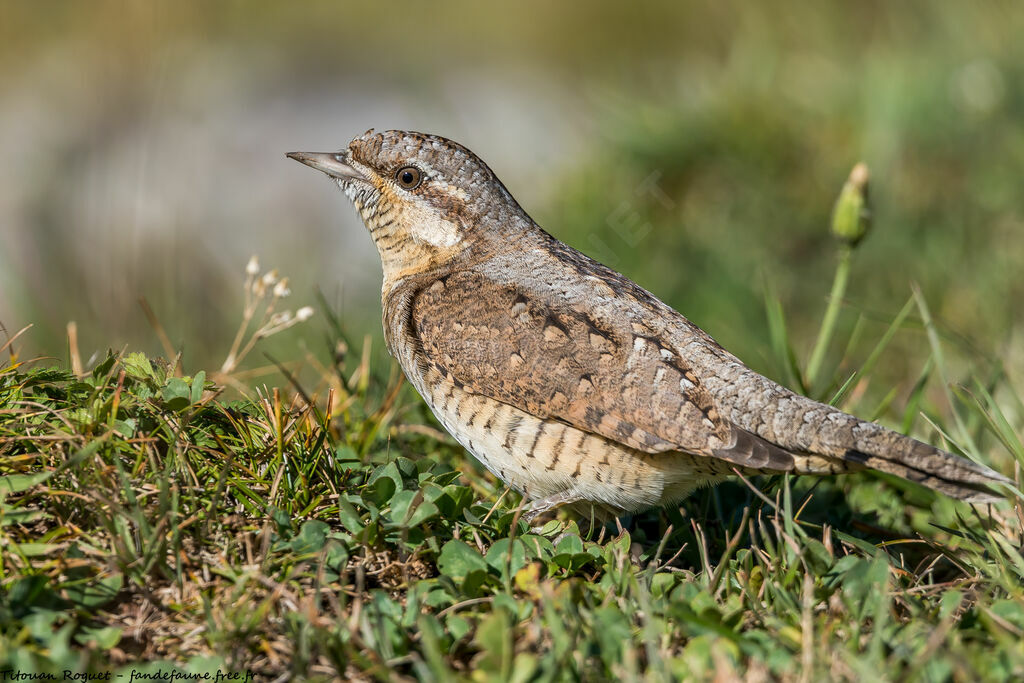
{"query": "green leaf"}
(337, 555)
(380, 491)
(35, 549)
(455, 500)
(348, 516)
(311, 537)
(1010, 610)
(94, 593)
(41, 623)
(9, 515)
(177, 394)
(125, 428)
(400, 503)
(859, 543)
(197, 386)
(389, 471)
(524, 668)
(345, 453)
(662, 584)
(18, 483)
(494, 639)
(29, 594)
(571, 544)
(458, 559)
(507, 557)
(423, 512)
(137, 366)
(103, 638)
(409, 509)
(104, 367)
(458, 626)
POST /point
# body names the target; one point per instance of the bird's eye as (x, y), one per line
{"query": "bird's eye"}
(409, 177)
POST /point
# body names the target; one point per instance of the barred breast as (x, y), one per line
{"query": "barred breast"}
(541, 458)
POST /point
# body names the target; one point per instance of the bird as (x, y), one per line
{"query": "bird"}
(572, 384)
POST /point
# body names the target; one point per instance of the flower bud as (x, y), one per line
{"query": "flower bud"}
(851, 216)
(253, 266)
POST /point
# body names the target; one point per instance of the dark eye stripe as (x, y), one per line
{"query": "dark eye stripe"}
(408, 177)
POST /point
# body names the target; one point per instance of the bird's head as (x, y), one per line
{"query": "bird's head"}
(427, 201)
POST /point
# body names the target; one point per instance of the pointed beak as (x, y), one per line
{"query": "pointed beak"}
(331, 163)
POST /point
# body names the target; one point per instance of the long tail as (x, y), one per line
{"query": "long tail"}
(823, 440)
(878, 448)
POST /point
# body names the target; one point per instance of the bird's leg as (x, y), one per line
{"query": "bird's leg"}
(537, 510)
(548, 504)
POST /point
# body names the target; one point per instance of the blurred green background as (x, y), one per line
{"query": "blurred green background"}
(697, 147)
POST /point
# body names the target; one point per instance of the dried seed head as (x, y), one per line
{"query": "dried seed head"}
(281, 288)
(253, 266)
(281, 318)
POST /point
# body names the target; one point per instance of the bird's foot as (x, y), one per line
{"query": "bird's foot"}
(542, 510)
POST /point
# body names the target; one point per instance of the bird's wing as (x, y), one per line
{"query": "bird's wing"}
(562, 363)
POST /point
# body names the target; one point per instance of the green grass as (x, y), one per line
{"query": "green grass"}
(146, 521)
(333, 531)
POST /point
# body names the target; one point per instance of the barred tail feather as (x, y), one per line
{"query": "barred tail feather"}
(852, 444)
(887, 451)
(820, 439)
